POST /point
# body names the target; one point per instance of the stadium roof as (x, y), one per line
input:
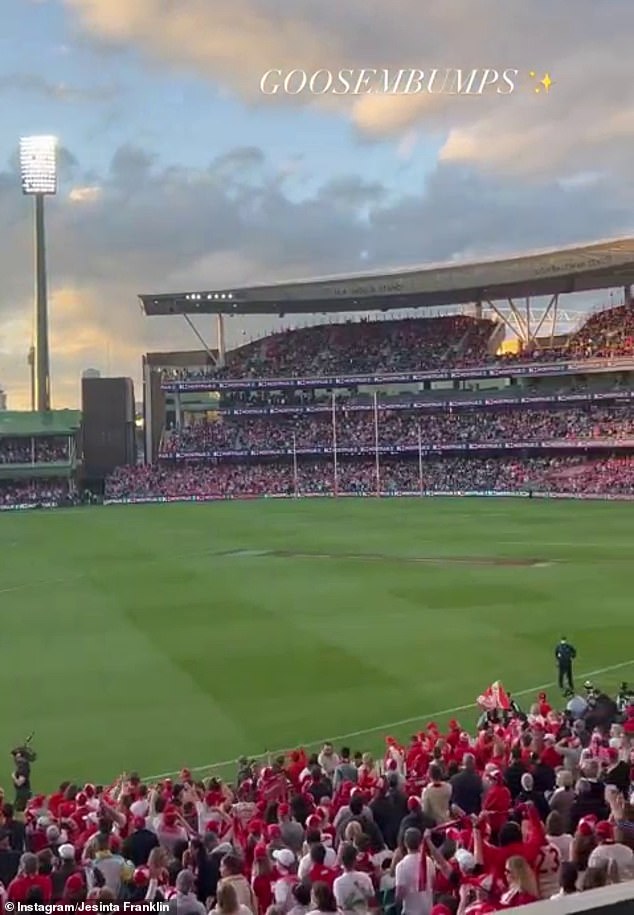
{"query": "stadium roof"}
(56, 422)
(599, 265)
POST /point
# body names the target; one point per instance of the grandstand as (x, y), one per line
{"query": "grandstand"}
(374, 406)
(39, 457)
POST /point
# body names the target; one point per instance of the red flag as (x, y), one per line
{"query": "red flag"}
(422, 874)
(494, 697)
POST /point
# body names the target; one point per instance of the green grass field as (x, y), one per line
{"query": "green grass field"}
(132, 637)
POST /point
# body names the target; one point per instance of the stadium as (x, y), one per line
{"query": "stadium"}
(371, 521)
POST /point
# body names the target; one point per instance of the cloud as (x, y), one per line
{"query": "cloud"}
(87, 194)
(33, 84)
(166, 228)
(587, 120)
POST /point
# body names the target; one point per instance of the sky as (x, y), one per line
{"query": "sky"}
(177, 171)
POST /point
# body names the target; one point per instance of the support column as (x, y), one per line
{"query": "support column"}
(523, 335)
(31, 364)
(220, 339)
(627, 295)
(179, 409)
(148, 405)
(551, 308)
(478, 310)
(42, 374)
(515, 329)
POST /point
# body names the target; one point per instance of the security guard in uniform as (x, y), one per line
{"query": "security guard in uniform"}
(565, 653)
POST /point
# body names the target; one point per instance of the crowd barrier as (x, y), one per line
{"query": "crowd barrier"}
(28, 506)
(567, 444)
(404, 494)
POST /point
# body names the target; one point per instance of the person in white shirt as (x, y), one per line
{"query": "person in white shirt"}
(353, 890)
(287, 880)
(306, 863)
(611, 850)
(414, 899)
(328, 759)
(555, 835)
(436, 797)
(227, 902)
(323, 900)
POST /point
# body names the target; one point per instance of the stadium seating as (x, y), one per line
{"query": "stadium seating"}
(455, 474)
(411, 344)
(32, 492)
(400, 428)
(414, 344)
(43, 450)
(606, 333)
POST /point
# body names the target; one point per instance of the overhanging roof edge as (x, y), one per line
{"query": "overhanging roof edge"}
(597, 262)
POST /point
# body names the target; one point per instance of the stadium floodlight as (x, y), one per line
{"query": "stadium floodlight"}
(38, 168)
(38, 165)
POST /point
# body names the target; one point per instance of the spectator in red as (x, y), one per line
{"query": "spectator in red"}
(264, 876)
(510, 843)
(27, 878)
(319, 872)
(497, 803)
(522, 886)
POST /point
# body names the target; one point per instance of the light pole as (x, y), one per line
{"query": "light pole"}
(38, 168)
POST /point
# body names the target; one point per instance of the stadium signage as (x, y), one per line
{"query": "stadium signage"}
(572, 265)
(394, 450)
(429, 494)
(369, 289)
(432, 406)
(28, 506)
(589, 366)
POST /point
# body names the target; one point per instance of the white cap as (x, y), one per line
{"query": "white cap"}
(466, 861)
(285, 857)
(67, 852)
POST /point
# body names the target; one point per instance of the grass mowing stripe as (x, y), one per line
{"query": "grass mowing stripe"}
(391, 724)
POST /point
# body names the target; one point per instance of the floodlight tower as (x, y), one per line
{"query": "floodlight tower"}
(38, 169)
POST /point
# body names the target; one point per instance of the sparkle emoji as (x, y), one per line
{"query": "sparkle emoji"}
(544, 83)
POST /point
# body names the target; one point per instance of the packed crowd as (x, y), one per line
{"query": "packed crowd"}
(32, 492)
(579, 475)
(414, 344)
(531, 806)
(614, 475)
(400, 427)
(607, 333)
(38, 450)
(411, 344)
(239, 479)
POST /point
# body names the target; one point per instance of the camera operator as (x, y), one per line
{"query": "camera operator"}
(21, 776)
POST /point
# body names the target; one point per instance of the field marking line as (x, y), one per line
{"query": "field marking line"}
(41, 584)
(390, 725)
